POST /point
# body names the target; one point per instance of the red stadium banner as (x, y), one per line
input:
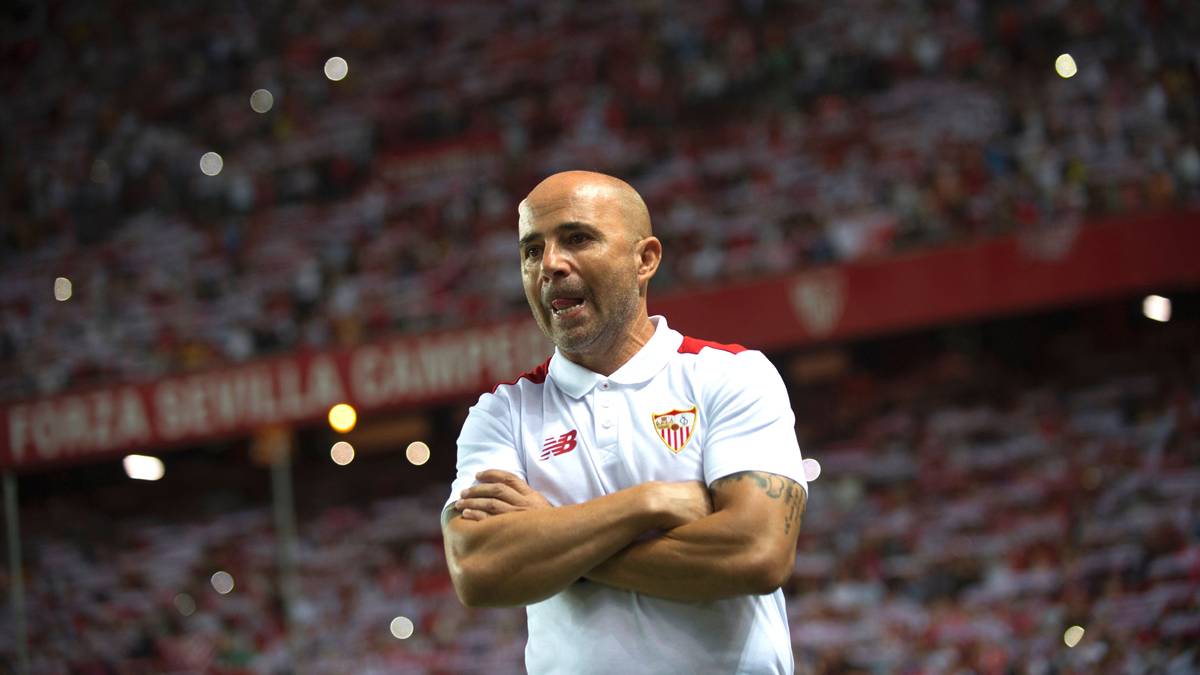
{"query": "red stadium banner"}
(293, 389)
(994, 277)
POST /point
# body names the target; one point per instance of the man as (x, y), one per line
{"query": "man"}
(640, 492)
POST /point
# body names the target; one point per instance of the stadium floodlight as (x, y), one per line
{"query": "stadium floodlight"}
(143, 467)
(812, 469)
(342, 453)
(261, 101)
(1156, 308)
(336, 68)
(222, 582)
(62, 289)
(417, 452)
(1065, 66)
(211, 164)
(343, 417)
(401, 627)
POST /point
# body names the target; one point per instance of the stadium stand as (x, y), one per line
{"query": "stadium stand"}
(766, 136)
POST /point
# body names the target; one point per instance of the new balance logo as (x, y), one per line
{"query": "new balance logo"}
(559, 445)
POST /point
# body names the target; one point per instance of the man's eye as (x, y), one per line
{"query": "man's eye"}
(577, 238)
(532, 253)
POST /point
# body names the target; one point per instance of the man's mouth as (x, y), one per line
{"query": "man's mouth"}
(561, 306)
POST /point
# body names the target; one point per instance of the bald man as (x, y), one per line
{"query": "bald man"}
(640, 492)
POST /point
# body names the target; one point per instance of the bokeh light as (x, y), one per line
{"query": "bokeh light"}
(336, 68)
(812, 469)
(343, 417)
(211, 164)
(401, 627)
(222, 582)
(62, 289)
(1156, 308)
(261, 101)
(185, 604)
(143, 467)
(342, 453)
(100, 171)
(1073, 635)
(417, 452)
(1065, 66)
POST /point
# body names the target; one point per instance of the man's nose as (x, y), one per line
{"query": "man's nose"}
(554, 262)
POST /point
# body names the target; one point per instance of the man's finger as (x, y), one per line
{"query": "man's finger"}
(497, 476)
(472, 514)
(486, 504)
(497, 490)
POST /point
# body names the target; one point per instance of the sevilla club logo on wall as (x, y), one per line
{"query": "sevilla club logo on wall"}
(819, 298)
(676, 427)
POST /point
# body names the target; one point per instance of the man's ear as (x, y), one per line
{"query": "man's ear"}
(649, 251)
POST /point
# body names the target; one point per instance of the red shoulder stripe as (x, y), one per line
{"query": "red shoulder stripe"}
(536, 376)
(693, 345)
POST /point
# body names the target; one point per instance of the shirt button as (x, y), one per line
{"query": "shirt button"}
(605, 403)
(607, 424)
(604, 385)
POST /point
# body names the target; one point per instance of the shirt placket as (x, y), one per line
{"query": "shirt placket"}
(607, 419)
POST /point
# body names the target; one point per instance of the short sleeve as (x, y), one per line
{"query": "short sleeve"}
(749, 419)
(486, 442)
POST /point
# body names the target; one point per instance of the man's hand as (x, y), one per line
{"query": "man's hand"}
(681, 502)
(498, 492)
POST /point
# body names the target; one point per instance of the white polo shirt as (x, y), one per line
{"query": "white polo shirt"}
(680, 409)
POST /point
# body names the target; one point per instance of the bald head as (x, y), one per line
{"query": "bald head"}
(587, 257)
(589, 187)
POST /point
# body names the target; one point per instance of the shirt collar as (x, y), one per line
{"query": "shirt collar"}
(576, 380)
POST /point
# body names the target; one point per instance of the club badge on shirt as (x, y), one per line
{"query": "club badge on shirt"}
(676, 427)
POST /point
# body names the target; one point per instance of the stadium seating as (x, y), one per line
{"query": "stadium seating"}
(766, 137)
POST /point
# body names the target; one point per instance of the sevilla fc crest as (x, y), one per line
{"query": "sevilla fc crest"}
(676, 427)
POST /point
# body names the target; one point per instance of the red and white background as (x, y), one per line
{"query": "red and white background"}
(994, 277)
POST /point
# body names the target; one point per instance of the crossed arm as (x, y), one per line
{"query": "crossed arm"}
(506, 545)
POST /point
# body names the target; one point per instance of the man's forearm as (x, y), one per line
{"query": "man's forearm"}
(747, 546)
(709, 559)
(521, 558)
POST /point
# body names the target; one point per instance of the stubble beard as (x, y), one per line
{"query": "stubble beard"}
(580, 341)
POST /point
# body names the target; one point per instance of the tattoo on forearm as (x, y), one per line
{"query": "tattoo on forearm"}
(776, 487)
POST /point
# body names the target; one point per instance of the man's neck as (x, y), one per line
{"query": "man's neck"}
(629, 343)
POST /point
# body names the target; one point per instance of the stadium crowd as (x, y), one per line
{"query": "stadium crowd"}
(971, 509)
(767, 136)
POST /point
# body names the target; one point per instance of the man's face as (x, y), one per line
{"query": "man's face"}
(579, 265)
